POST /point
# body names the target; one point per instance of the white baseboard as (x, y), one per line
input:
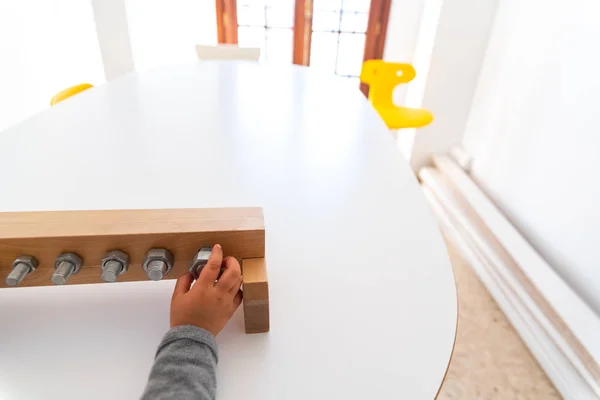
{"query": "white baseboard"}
(558, 327)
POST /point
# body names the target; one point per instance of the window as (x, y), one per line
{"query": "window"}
(268, 25)
(339, 30)
(330, 35)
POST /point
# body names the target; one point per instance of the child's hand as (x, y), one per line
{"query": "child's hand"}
(209, 304)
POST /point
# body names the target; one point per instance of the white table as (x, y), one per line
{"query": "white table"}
(363, 301)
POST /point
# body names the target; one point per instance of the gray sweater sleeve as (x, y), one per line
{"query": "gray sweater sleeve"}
(184, 367)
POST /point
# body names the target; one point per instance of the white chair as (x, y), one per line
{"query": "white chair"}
(227, 52)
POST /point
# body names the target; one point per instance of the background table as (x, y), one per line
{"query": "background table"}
(363, 302)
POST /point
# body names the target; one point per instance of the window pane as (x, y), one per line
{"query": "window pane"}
(354, 21)
(350, 54)
(326, 20)
(281, 16)
(327, 5)
(357, 5)
(248, 15)
(323, 51)
(252, 37)
(252, 3)
(279, 45)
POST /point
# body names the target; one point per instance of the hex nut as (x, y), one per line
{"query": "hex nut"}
(200, 260)
(30, 261)
(116, 255)
(73, 258)
(163, 255)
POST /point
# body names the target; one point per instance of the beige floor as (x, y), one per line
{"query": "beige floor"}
(490, 361)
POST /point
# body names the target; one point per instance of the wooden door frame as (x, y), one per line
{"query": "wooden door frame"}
(379, 13)
(303, 14)
(227, 27)
(377, 29)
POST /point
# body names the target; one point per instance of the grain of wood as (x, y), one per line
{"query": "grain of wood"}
(44, 235)
(256, 295)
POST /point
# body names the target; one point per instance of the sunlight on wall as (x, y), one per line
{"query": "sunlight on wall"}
(46, 46)
(165, 32)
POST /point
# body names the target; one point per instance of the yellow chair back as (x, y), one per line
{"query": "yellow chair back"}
(382, 77)
(72, 91)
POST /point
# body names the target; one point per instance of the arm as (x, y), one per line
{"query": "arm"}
(186, 360)
(185, 366)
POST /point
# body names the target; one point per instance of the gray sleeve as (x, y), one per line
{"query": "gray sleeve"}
(184, 367)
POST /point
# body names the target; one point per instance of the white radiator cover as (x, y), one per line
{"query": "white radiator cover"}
(559, 327)
(533, 131)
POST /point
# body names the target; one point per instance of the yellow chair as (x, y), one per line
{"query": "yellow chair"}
(72, 91)
(382, 77)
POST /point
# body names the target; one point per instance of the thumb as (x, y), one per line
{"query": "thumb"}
(183, 284)
(210, 272)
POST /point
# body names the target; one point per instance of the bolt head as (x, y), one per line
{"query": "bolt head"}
(73, 258)
(116, 255)
(30, 261)
(156, 254)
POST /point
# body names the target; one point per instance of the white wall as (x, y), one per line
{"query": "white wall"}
(45, 46)
(450, 81)
(167, 31)
(411, 34)
(113, 37)
(144, 34)
(404, 23)
(534, 131)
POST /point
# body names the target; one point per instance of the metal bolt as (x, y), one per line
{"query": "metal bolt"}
(158, 263)
(156, 270)
(21, 267)
(110, 271)
(199, 261)
(113, 264)
(65, 265)
(62, 273)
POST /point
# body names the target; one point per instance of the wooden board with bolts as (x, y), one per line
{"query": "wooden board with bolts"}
(92, 234)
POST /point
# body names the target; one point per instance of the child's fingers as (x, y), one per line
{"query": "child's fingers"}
(210, 272)
(237, 300)
(237, 286)
(183, 284)
(231, 276)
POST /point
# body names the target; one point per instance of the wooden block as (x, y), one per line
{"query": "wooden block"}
(256, 295)
(44, 235)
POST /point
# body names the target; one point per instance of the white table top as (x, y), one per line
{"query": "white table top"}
(363, 301)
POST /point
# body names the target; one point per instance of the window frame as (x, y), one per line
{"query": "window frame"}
(375, 35)
(227, 27)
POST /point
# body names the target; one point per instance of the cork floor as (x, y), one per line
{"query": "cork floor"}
(490, 361)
